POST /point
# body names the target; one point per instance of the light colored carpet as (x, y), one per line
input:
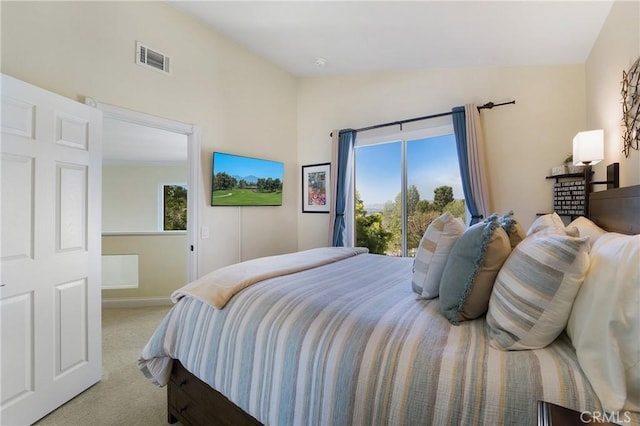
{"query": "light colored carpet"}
(123, 396)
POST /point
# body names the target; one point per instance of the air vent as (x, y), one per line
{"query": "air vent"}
(151, 58)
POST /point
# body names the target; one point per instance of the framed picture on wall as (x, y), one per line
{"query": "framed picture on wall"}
(316, 182)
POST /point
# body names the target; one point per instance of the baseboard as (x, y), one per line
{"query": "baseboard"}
(136, 302)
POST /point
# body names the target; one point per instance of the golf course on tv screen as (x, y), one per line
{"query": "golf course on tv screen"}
(246, 181)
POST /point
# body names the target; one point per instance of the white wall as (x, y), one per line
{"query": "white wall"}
(243, 104)
(615, 50)
(523, 140)
(130, 196)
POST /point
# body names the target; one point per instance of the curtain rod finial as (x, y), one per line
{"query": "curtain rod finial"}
(490, 105)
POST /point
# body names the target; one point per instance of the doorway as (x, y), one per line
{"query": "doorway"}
(143, 156)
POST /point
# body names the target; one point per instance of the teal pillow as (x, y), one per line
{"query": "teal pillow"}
(471, 270)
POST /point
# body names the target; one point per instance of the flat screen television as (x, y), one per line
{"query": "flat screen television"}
(246, 181)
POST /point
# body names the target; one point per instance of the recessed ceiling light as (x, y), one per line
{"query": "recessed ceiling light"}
(321, 62)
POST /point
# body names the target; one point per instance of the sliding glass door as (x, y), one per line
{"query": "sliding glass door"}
(401, 186)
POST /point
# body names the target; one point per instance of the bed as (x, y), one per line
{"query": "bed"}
(347, 342)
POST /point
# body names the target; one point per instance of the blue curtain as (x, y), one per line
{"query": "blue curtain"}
(346, 142)
(460, 130)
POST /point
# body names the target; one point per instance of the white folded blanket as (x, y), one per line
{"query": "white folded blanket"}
(217, 287)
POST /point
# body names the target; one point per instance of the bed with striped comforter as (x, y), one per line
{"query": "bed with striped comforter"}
(348, 343)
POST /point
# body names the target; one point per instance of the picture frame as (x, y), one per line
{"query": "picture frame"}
(316, 188)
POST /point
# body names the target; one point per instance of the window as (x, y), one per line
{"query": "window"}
(174, 207)
(402, 185)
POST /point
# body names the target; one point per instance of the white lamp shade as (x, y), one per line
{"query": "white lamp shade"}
(588, 147)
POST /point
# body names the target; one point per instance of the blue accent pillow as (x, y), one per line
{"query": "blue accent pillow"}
(471, 270)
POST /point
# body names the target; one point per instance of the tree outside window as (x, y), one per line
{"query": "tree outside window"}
(174, 207)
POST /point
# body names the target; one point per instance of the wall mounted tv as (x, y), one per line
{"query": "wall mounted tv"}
(246, 181)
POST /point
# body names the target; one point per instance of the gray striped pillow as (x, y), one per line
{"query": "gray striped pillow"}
(534, 291)
(432, 253)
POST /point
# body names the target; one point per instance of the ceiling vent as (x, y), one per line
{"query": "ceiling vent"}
(151, 58)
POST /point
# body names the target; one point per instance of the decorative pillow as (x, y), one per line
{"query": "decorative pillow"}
(552, 224)
(587, 228)
(604, 324)
(532, 297)
(551, 220)
(471, 269)
(431, 257)
(513, 228)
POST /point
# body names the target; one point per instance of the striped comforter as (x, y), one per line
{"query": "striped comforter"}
(349, 344)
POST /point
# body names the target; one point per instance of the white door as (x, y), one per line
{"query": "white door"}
(50, 252)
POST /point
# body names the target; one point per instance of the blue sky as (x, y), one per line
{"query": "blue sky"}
(431, 163)
(245, 166)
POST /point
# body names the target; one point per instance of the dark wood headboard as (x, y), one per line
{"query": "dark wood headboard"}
(617, 209)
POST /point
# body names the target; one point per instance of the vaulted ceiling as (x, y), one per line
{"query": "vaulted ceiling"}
(372, 36)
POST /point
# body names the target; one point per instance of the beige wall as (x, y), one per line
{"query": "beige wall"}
(615, 50)
(243, 104)
(130, 196)
(247, 106)
(523, 140)
(162, 264)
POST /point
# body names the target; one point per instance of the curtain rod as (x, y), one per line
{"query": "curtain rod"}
(488, 105)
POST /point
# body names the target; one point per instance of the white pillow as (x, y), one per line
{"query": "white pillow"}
(552, 224)
(533, 293)
(587, 228)
(433, 251)
(604, 325)
(545, 221)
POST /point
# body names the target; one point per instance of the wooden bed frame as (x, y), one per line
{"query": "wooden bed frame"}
(193, 402)
(616, 210)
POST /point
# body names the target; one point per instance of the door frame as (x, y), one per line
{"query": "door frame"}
(193, 159)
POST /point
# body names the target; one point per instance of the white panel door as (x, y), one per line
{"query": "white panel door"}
(50, 345)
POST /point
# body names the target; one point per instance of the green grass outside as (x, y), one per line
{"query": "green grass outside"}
(246, 197)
